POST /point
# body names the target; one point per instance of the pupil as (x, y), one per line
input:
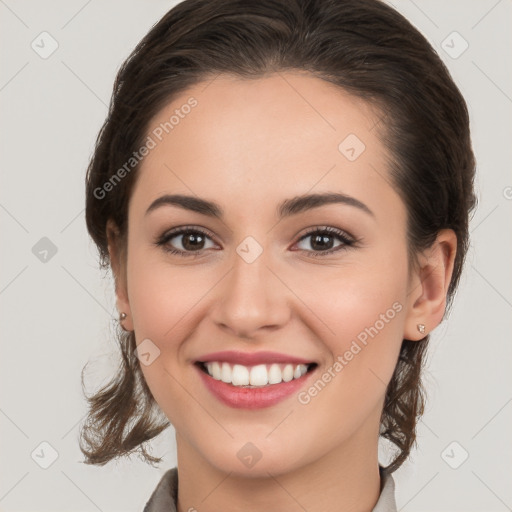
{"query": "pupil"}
(192, 241)
(322, 240)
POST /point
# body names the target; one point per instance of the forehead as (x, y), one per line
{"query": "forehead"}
(285, 133)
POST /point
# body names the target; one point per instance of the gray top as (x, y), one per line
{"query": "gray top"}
(165, 495)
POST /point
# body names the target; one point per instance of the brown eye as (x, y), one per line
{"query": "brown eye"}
(191, 240)
(322, 241)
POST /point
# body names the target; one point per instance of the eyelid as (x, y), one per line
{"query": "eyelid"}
(328, 229)
(180, 229)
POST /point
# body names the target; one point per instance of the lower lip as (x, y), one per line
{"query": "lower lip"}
(252, 398)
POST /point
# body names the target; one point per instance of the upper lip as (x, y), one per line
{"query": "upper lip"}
(251, 358)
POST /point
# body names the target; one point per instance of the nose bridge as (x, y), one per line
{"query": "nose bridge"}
(252, 297)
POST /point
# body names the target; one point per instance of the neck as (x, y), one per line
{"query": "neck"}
(344, 479)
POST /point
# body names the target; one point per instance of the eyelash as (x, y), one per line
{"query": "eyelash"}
(347, 240)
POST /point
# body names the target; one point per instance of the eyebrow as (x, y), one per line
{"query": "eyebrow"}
(287, 208)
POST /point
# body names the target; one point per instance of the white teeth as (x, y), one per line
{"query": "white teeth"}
(258, 375)
(226, 373)
(274, 374)
(288, 373)
(255, 376)
(240, 375)
(216, 370)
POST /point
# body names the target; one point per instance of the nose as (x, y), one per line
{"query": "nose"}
(251, 299)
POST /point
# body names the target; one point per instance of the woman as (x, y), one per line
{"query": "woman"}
(282, 190)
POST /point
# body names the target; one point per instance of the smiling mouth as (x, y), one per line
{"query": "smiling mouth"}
(256, 376)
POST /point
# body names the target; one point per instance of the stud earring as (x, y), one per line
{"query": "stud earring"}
(123, 316)
(421, 328)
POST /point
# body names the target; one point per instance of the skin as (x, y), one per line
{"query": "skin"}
(248, 145)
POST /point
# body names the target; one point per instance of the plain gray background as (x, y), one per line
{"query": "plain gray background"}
(57, 310)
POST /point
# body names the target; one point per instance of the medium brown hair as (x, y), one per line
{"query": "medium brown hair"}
(364, 47)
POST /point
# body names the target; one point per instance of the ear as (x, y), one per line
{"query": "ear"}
(428, 285)
(117, 253)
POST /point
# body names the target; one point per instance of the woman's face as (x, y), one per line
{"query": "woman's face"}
(263, 277)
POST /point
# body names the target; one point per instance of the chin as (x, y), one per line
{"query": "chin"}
(256, 459)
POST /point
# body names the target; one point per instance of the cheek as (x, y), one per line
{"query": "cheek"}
(350, 388)
(161, 295)
(364, 309)
(353, 299)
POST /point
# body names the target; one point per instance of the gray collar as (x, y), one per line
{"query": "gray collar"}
(165, 495)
